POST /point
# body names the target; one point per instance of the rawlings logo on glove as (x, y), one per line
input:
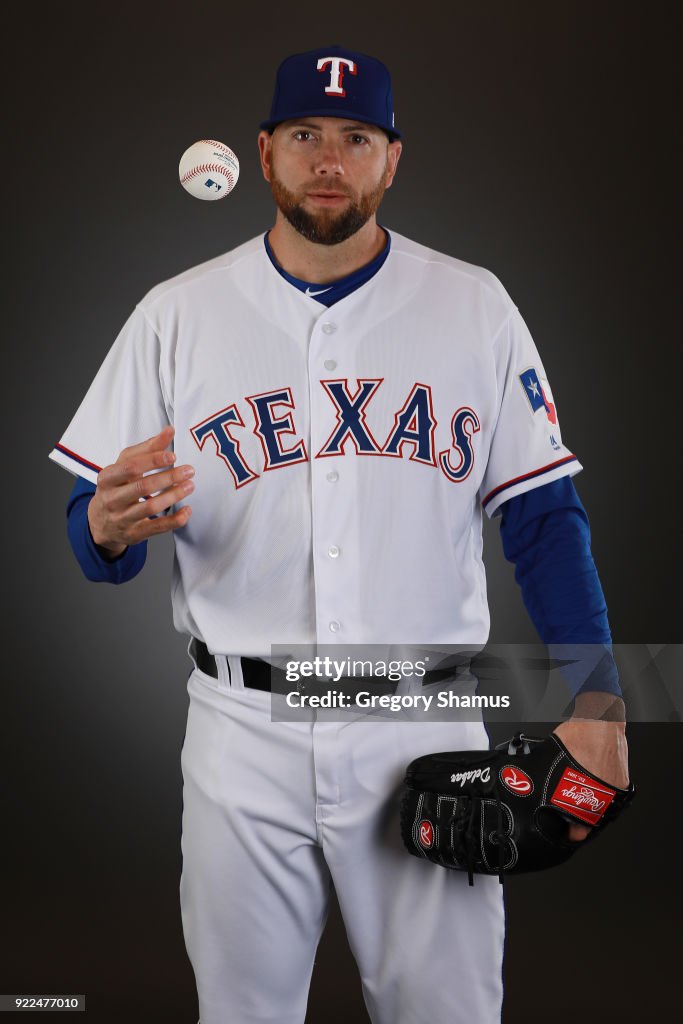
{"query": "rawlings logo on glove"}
(515, 780)
(479, 811)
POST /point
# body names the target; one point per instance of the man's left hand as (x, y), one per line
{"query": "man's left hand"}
(602, 749)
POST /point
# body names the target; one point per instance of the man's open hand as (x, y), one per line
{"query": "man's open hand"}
(117, 516)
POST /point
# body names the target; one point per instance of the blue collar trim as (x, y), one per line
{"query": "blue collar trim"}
(331, 293)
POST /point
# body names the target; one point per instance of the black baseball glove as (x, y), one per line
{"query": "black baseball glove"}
(504, 811)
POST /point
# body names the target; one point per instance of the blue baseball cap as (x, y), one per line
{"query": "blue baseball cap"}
(333, 82)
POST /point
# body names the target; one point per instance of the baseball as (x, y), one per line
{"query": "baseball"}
(208, 169)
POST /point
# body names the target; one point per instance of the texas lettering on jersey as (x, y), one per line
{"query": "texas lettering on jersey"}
(412, 432)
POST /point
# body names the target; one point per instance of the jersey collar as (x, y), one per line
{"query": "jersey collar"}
(329, 294)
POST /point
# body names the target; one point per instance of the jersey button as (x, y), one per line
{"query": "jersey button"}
(333, 476)
(334, 626)
(333, 551)
(330, 364)
(329, 328)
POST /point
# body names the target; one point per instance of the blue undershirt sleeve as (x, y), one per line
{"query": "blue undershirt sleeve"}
(92, 559)
(546, 535)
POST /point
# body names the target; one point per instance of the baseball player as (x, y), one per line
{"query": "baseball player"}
(328, 410)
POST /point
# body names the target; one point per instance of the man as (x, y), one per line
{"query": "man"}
(343, 403)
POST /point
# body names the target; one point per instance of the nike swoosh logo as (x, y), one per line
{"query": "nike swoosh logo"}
(321, 292)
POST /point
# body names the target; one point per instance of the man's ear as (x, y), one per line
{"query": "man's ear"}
(394, 150)
(265, 148)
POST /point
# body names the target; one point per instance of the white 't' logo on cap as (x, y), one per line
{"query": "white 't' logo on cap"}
(336, 74)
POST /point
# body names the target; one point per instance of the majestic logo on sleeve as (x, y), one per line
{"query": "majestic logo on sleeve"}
(537, 390)
(337, 66)
(411, 436)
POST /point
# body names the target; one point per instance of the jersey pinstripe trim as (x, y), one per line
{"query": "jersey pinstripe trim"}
(75, 463)
(497, 491)
(78, 458)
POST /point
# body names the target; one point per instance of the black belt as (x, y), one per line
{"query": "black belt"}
(255, 673)
(259, 675)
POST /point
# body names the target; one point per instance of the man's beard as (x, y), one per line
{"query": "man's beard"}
(327, 226)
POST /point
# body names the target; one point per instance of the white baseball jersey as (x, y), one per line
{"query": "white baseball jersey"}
(343, 456)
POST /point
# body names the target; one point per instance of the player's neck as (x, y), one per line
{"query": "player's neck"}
(323, 264)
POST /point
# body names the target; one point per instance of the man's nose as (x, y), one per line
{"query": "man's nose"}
(329, 157)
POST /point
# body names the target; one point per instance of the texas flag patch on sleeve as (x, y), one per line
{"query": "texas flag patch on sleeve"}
(537, 391)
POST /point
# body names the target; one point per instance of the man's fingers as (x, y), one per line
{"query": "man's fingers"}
(135, 489)
(122, 497)
(577, 833)
(134, 466)
(159, 441)
(164, 524)
(159, 503)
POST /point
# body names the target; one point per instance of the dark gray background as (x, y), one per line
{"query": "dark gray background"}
(538, 143)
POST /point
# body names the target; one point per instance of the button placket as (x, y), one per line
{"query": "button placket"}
(328, 555)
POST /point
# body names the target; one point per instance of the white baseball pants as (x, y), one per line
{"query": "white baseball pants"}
(274, 811)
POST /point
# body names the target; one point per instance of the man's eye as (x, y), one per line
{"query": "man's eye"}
(358, 139)
(300, 134)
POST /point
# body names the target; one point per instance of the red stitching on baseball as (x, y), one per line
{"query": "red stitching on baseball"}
(219, 145)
